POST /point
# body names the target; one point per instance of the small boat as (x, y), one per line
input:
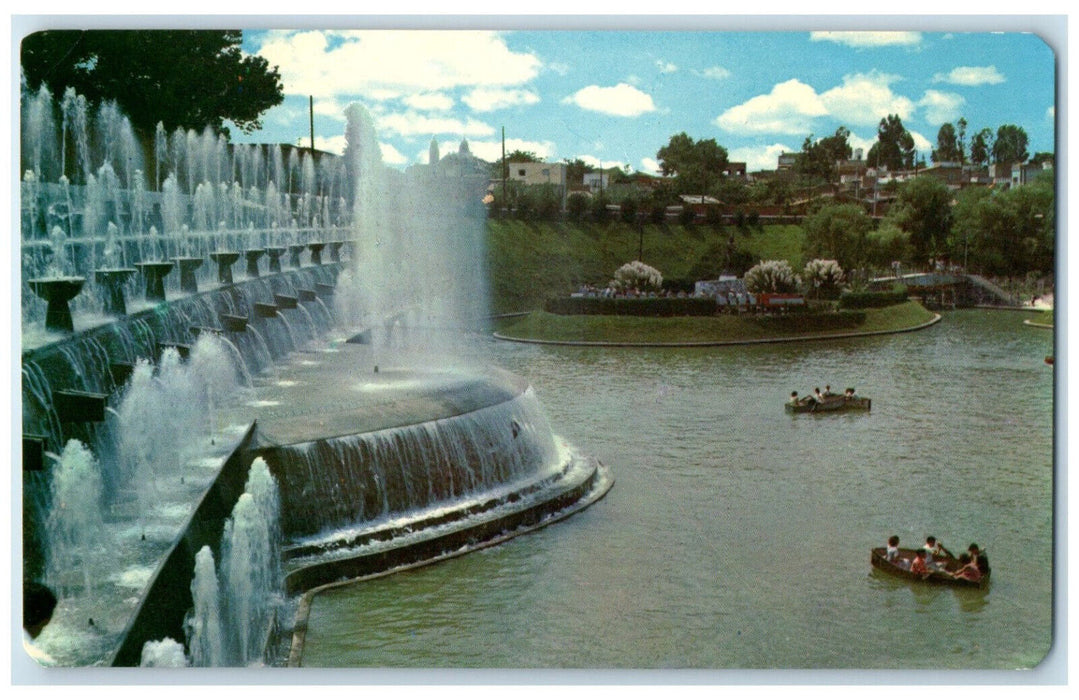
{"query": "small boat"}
(833, 402)
(938, 577)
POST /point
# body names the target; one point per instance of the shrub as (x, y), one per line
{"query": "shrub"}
(872, 300)
(822, 278)
(620, 306)
(636, 275)
(771, 276)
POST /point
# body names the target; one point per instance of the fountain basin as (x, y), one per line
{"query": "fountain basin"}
(57, 292)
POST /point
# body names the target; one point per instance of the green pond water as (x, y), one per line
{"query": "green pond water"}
(737, 536)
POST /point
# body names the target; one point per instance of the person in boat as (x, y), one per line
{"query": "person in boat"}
(818, 395)
(932, 550)
(891, 552)
(979, 557)
(849, 393)
(968, 568)
(918, 566)
(794, 398)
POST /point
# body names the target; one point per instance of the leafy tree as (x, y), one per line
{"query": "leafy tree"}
(923, 208)
(894, 148)
(981, 147)
(1008, 233)
(189, 79)
(961, 138)
(948, 149)
(696, 165)
(630, 205)
(888, 243)
(818, 159)
(1043, 157)
(1010, 145)
(837, 232)
(599, 207)
(575, 171)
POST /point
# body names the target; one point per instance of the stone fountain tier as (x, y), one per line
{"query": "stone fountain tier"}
(188, 266)
(273, 255)
(155, 273)
(113, 280)
(57, 292)
(225, 260)
(330, 394)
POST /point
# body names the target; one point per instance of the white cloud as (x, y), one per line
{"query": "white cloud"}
(713, 72)
(868, 39)
(429, 101)
(759, 157)
(622, 100)
(866, 98)
(330, 144)
(857, 142)
(970, 76)
(666, 67)
(941, 107)
(921, 144)
(600, 163)
(491, 151)
(488, 99)
(788, 109)
(412, 124)
(391, 156)
(327, 63)
(649, 166)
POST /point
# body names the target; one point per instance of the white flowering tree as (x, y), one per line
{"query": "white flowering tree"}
(636, 275)
(771, 277)
(823, 278)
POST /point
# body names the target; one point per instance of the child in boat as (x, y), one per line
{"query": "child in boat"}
(891, 552)
(918, 566)
(794, 398)
(979, 557)
(968, 568)
(933, 549)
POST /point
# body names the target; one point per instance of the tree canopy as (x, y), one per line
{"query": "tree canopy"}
(1010, 145)
(894, 148)
(189, 79)
(948, 148)
(696, 165)
(923, 209)
(819, 158)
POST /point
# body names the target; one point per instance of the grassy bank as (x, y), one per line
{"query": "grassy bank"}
(530, 262)
(540, 325)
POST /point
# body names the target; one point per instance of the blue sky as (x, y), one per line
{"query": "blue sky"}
(615, 97)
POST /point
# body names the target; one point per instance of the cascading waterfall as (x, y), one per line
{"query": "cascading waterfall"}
(365, 478)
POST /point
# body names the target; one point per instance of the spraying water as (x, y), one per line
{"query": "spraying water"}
(205, 638)
(166, 653)
(75, 525)
(418, 263)
(251, 579)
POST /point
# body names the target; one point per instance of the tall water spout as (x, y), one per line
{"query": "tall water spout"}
(250, 571)
(419, 257)
(76, 529)
(204, 635)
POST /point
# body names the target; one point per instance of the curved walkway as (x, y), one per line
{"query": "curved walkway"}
(1034, 324)
(718, 343)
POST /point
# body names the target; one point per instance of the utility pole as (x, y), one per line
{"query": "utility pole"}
(311, 112)
(504, 173)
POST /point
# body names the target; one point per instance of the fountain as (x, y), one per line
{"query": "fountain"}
(197, 459)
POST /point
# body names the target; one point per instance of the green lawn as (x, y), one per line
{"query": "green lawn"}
(540, 325)
(530, 262)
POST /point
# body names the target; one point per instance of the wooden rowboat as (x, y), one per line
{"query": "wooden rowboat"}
(830, 403)
(937, 577)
